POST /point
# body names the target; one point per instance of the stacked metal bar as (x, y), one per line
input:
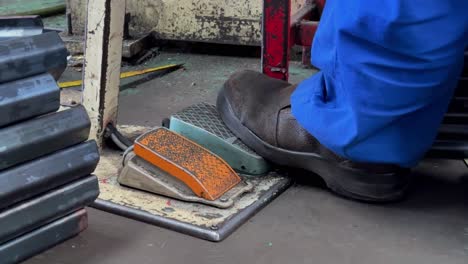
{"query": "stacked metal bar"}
(452, 141)
(13, 27)
(46, 162)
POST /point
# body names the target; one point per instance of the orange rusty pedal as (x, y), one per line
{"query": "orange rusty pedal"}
(206, 174)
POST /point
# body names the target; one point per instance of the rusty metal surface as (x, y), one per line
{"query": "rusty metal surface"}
(141, 175)
(24, 26)
(29, 56)
(35, 177)
(305, 33)
(43, 135)
(217, 21)
(277, 41)
(304, 24)
(197, 220)
(276, 38)
(320, 4)
(207, 175)
(134, 47)
(41, 239)
(29, 215)
(131, 47)
(29, 97)
(304, 13)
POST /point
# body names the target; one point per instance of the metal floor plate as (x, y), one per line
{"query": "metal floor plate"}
(197, 220)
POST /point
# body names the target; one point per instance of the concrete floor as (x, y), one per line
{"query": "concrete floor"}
(307, 224)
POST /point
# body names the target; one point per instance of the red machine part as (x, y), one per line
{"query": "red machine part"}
(281, 31)
(276, 33)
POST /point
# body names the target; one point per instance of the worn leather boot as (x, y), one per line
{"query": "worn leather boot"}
(258, 110)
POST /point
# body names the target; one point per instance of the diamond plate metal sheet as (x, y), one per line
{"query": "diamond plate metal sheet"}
(206, 116)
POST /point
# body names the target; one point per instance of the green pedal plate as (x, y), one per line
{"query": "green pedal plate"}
(202, 124)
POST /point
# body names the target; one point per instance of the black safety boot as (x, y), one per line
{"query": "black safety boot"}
(258, 110)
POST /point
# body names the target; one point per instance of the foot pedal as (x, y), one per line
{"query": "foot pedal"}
(163, 200)
(201, 123)
(140, 174)
(207, 175)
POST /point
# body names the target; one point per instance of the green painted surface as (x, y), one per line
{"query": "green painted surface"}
(237, 158)
(31, 7)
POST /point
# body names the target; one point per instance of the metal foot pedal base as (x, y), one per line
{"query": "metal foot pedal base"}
(141, 175)
(201, 123)
(43, 238)
(195, 219)
(206, 174)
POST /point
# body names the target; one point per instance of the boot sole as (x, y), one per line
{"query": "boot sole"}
(347, 182)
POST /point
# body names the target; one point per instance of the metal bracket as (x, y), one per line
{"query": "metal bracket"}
(206, 174)
(142, 175)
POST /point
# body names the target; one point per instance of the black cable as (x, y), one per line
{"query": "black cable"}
(117, 138)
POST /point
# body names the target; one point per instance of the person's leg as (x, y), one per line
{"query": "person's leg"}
(387, 72)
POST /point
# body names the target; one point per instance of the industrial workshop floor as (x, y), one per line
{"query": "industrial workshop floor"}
(307, 224)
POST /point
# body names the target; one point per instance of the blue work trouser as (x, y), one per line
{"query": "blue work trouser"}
(388, 69)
